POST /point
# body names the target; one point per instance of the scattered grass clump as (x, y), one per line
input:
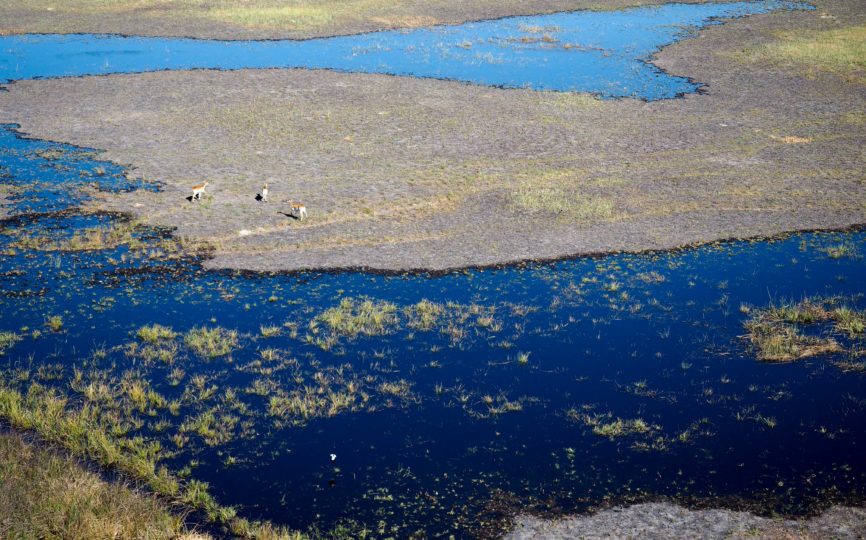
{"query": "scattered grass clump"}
(46, 495)
(424, 315)
(7, 340)
(605, 425)
(54, 322)
(211, 342)
(840, 251)
(775, 331)
(154, 333)
(268, 331)
(353, 317)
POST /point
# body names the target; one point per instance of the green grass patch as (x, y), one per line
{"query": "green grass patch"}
(353, 317)
(841, 52)
(7, 340)
(211, 342)
(154, 333)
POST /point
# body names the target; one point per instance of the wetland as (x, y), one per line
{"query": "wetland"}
(533, 305)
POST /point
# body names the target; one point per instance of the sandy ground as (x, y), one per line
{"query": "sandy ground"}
(401, 173)
(667, 521)
(267, 19)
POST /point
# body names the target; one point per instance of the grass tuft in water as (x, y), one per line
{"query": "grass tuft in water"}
(211, 342)
(154, 333)
(353, 317)
(7, 340)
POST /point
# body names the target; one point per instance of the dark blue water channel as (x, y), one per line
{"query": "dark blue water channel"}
(606, 53)
(449, 427)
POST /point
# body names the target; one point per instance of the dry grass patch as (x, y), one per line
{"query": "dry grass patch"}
(45, 495)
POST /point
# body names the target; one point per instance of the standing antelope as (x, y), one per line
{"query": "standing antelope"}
(297, 209)
(198, 189)
(265, 193)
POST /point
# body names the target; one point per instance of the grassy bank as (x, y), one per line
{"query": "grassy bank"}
(96, 435)
(46, 495)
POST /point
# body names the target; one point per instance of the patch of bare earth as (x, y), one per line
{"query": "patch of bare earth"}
(662, 520)
(402, 173)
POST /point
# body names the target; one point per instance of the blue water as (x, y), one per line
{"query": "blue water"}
(605, 53)
(656, 337)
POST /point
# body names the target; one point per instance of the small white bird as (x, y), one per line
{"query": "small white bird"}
(333, 457)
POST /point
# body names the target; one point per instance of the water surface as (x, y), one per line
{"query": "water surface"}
(606, 53)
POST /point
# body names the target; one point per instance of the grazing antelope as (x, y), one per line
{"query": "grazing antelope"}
(297, 209)
(265, 193)
(197, 190)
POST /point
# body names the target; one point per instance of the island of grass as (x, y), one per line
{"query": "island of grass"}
(400, 173)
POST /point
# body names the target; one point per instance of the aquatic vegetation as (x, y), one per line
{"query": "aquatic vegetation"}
(211, 342)
(154, 333)
(55, 323)
(606, 425)
(7, 340)
(842, 250)
(353, 317)
(268, 331)
(774, 331)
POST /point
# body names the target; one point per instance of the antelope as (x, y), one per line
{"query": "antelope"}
(297, 209)
(265, 193)
(197, 190)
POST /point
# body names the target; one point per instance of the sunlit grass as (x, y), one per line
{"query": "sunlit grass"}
(211, 342)
(7, 340)
(775, 331)
(353, 317)
(841, 52)
(46, 495)
(155, 333)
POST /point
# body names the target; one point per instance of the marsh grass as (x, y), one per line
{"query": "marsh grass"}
(155, 333)
(46, 495)
(7, 340)
(775, 331)
(87, 239)
(87, 431)
(360, 317)
(840, 251)
(54, 322)
(840, 51)
(211, 342)
(605, 425)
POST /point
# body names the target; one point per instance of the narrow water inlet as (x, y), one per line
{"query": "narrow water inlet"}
(604, 53)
